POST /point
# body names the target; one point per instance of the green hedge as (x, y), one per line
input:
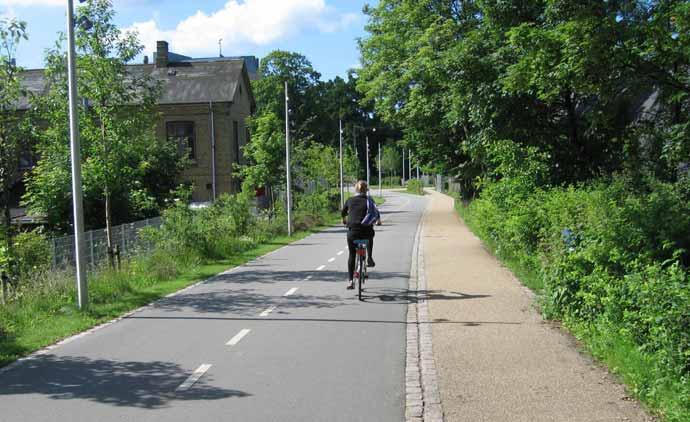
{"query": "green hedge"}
(415, 186)
(607, 254)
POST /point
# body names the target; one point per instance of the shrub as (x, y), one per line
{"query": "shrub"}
(606, 252)
(415, 186)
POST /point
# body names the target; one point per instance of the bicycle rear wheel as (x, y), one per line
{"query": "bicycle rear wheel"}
(360, 279)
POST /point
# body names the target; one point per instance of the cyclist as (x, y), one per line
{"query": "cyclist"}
(361, 214)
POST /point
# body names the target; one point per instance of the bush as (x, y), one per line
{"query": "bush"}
(608, 252)
(415, 186)
(32, 253)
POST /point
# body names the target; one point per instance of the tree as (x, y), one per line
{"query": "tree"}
(117, 123)
(13, 129)
(391, 160)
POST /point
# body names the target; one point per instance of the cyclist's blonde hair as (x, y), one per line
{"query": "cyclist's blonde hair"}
(361, 186)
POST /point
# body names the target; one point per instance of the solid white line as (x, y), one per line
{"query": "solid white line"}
(331, 260)
(321, 268)
(341, 252)
(267, 311)
(233, 341)
(291, 291)
(189, 382)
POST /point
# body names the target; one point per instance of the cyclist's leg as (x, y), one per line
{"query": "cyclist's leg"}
(370, 250)
(352, 249)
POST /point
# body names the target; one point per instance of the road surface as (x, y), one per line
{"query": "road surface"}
(279, 339)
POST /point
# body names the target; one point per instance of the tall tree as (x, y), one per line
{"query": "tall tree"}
(12, 133)
(117, 123)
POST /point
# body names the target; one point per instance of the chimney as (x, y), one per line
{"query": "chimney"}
(146, 59)
(161, 54)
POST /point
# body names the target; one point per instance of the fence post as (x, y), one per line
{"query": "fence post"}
(93, 258)
(53, 244)
(124, 242)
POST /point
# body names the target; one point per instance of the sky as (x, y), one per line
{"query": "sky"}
(325, 31)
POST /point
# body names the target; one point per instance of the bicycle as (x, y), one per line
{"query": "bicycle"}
(361, 265)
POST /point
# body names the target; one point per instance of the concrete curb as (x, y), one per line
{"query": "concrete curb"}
(422, 394)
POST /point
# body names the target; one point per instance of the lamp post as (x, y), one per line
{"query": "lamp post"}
(342, 187)
(75, 155)
(367, 137)
(380, 186)
(287, 160)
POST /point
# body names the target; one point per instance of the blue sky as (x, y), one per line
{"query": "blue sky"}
(323, 30)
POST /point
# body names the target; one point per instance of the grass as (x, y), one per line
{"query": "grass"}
(664, 394)
(35, 321)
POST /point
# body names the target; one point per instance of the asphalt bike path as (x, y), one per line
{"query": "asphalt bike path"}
(278, 339)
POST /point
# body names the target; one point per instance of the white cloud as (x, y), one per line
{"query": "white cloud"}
(243, 25)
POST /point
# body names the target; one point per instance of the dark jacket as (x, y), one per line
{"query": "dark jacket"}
(355, 210)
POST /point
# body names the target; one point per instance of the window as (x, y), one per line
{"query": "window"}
(182, 133)
(236, 139)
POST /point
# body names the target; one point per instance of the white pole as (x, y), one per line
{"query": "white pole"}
(409, 164)
(403, 173)
(380, 186)
(82, 287)
(367, 160)
(287, 159)
(342, 186)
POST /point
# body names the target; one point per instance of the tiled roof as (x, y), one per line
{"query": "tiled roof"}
(183, 82)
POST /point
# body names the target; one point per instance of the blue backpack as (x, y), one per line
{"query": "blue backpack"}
(373, 214)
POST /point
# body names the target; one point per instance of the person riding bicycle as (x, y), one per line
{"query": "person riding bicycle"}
(361, 213)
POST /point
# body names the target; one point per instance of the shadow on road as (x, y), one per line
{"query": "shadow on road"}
(148, 385)
(396, 296)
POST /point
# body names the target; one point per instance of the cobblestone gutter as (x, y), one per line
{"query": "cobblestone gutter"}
(422, 396)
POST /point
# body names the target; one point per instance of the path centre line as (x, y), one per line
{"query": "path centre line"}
(233, 341)
(291, 291)
(331, 260)
(321, 268)
(341, 252)
(189, 382)
(308, 278)
(268, 311)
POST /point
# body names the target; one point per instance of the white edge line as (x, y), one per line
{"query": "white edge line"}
(268, 311)
(291, 291)
(321, 268)
(189, 382)
(233, 341)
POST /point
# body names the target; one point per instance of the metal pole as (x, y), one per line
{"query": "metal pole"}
(380, 186)
(403, 173)
(367, 160)
(409, 164)
(342, 186)
(287, 159)
(82, 292)
(213, 149)
(417, 171)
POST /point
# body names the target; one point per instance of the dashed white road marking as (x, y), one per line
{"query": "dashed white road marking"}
(267, 311)
(331, 260)
(291, 291)
(308, 278)
(321, 268)
(189, 382)
(233, 341)
(341, 252)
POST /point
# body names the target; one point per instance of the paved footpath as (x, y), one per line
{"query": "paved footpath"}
(496, 359)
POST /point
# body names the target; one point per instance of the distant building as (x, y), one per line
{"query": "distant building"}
(204, 106)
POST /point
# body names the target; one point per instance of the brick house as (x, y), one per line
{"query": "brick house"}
(203, 106)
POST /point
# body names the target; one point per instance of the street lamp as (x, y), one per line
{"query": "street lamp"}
(77, 201)
(287, 159)
(342, 187)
